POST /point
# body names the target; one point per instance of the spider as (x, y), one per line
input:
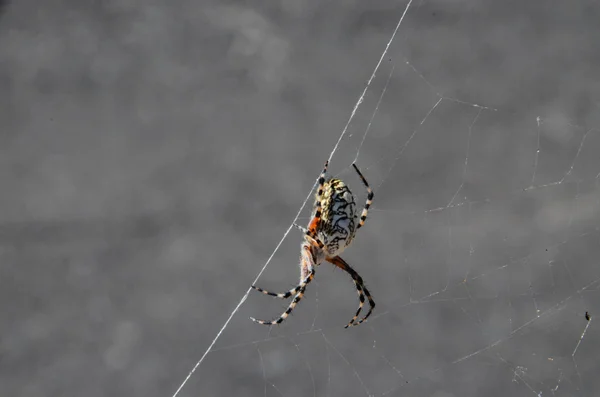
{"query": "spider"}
(330, 231)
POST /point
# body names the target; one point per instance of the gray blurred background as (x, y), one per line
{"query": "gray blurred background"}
(153, 154)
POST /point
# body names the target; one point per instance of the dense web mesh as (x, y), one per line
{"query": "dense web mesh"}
(129, 240)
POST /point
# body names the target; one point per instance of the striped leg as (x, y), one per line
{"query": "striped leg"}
(352, 322)
(282, 295)
(308, 265)
(311, 233)
(320, 190)
(292, 305)
(312, 227)
(360, 288)
(304, 270)
(370, 195)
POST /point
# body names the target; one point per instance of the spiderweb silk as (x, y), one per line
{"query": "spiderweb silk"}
(481, 248)
(488, 210)
(156, 155)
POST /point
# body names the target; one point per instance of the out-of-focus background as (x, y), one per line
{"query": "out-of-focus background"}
(154, 153)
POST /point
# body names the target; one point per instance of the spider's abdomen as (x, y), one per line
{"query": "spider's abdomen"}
(337, 226)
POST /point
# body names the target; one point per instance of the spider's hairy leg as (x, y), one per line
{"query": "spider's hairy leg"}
(282, 295)
(311, 231)
(319, 197)
(352, 322)
(304, 269)
(311, 234)
(293, 291)
(360, 288)
(301, 228)
(291, 307)
(308, 265)
(370, 194)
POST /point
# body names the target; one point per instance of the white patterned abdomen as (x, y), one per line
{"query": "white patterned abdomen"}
(338, 220)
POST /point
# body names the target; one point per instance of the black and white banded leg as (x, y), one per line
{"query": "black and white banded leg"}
(299, 290)
(370, 195)
(361, 289)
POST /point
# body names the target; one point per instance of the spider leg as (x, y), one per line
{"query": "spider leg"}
(314, 223)
(360, 288)
(307, 265)
(304, 270)
(293, 291)
(320, 192)
(370, 195)
(291, 307)
(310, 232)
(282, 295)
(301, 228)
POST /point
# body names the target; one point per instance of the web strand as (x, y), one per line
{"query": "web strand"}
(343, 133)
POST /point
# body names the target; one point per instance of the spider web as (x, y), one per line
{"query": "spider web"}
(124, 272)
(492, 211)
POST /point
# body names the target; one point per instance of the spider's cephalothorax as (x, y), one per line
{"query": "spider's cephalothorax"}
(330, 231)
